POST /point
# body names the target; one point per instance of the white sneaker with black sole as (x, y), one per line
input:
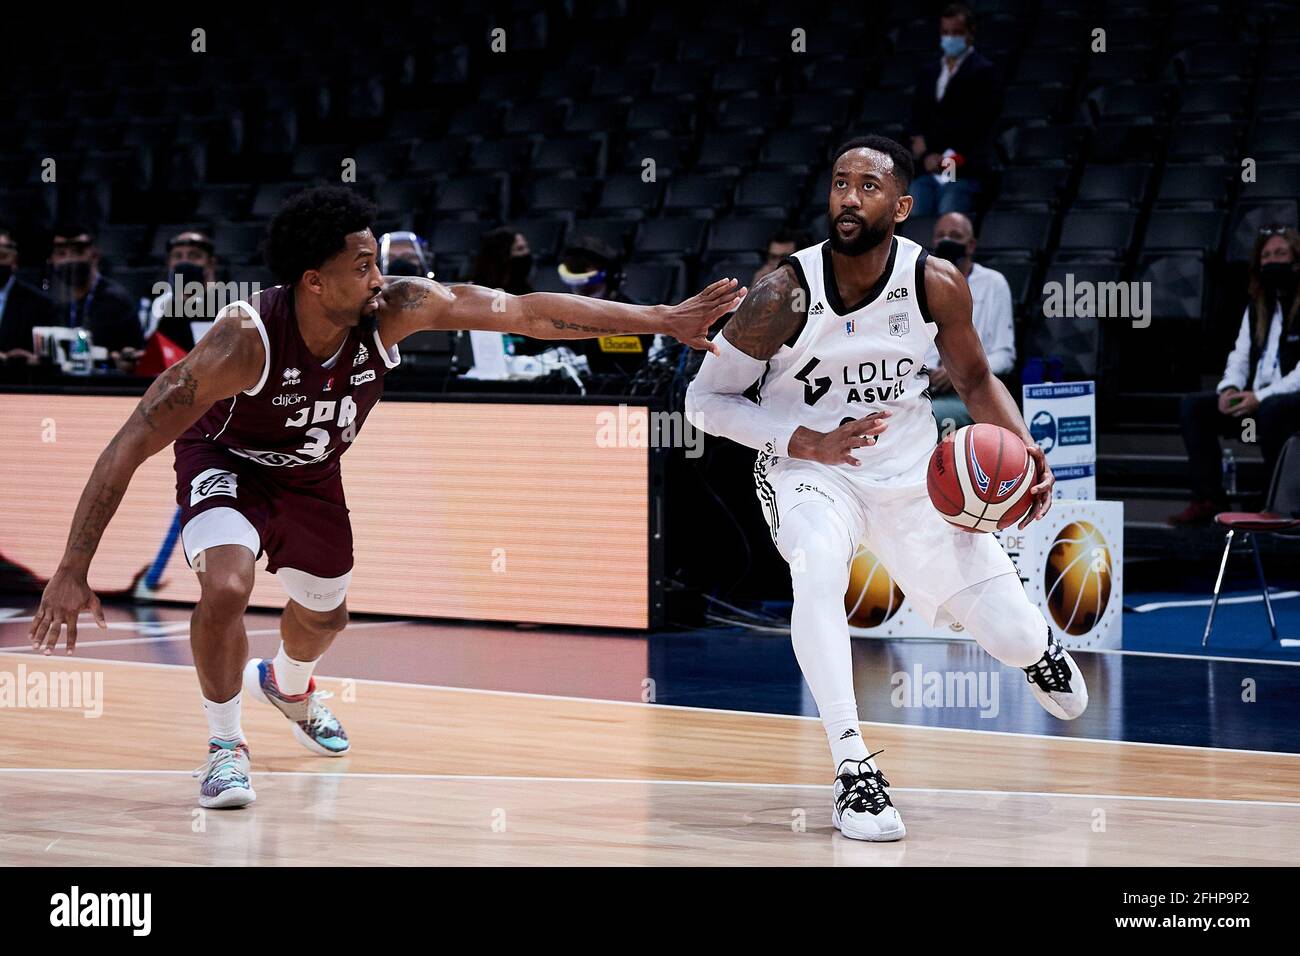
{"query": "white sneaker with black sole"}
(1057, 683)
(863, 810)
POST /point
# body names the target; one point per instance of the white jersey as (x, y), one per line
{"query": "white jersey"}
(849, 361)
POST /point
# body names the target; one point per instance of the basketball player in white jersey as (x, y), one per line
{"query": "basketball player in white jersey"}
(832, 343)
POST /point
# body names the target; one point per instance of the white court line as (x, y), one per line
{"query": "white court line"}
(162, 639)
(730, 784)
(742, 713)
(1206, 602)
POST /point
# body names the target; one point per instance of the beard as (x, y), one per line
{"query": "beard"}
(869, 236)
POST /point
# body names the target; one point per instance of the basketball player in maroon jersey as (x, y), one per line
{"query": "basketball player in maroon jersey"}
(260, 413)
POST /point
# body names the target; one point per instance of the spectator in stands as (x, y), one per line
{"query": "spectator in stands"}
(955, 109)
(83, 297)
(590, 267)
(22, 307)
(783, 243)
(1261, 380)
(992, 313)
(504, 261)
(192, 257)
(404, 253)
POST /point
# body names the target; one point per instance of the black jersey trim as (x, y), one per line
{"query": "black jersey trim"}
(832, 289)
(807, 295)
(920, 287)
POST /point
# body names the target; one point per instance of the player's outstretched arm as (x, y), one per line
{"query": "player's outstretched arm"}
(411, 305)
(772, 314)
(962, 354)
(227, 360)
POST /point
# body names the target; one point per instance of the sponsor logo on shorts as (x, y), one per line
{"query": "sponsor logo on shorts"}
(292, 376)
(362, 377)
(211, 483)
(290, 398)
(804, 486)
(363, 356)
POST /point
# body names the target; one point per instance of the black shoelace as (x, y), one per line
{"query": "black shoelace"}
(1051, 673)
(864, 789)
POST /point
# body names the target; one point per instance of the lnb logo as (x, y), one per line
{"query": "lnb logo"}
(77, 909)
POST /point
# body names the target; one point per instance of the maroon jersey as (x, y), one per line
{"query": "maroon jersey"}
(304, 412)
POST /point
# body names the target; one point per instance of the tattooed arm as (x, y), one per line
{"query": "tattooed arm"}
(771, 316)
(411, 305)
(226, 361)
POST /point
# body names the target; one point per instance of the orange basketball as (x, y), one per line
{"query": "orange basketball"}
(979, 478)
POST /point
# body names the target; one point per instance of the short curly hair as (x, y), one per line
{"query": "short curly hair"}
(312, 226)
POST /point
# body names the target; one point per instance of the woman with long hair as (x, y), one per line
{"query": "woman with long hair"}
(1258, 397)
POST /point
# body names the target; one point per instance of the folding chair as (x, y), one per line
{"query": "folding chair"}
(1281, 516)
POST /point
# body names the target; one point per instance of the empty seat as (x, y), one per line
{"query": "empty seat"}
(1031, 187)
(1177, 286)
(652, 283)
(615, 233)
(271, 196)
(573, 155)
(768, 190)
(500, 155)
(1113, 186)
(559, 194)
(1043, 146)
(918, 229)
(1213, 96)
(1277, 137)
(1190, 230)
(540, 117)
(629, 190)
(740, 234)
(670, 237)
(455, 238)
(668, 116)
(793, 150)
(1193, 186)
(725, 151)
(697, 194)
(1214, 141)
(1025, 233)
(1095, 234)
(478, 194)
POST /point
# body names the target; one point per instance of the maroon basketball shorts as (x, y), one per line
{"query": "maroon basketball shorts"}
(299, 520)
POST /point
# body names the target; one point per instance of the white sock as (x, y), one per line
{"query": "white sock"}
(822, 547)
(223, 718)
(292, 677)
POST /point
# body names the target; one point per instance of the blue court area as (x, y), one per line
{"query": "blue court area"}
(1173, 622)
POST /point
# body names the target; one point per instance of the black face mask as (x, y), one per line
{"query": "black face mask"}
(72, 275)
(868, 238)
(5, 273)
(950, 249)
(521, 267)
(1277, 276)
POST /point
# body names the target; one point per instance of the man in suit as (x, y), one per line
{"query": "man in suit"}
(22, 307)
(955, 110)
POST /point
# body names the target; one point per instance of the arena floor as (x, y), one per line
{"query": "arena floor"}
(506, 745)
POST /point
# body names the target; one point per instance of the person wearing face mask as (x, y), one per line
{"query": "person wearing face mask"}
(22, 307)
(191, 259)
(1261, 380)
(85, 298)
(955, 110)
(954, 240)
(404, 254)
(504, 262)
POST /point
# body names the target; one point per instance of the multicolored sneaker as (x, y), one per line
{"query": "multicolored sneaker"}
(314, 724)
(226, 784)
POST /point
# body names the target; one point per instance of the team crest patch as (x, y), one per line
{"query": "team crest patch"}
(898, 324)
(212, 482)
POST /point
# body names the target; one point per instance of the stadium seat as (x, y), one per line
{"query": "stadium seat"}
(1023, 234)
(1179, 230)
(1031, 187)
(670, 237)
(1177, 285)
(1194, 186)
(733, 236)
(1113, 187)
(1092, 234)
(698, 195)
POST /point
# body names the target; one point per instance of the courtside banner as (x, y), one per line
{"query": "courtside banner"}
(1071, 563)
(485, 511)
(1062, 418)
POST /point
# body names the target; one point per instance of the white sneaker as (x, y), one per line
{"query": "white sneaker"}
(863, 810)
(1057, 682)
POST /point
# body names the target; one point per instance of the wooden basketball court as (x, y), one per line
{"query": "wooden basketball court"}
(443, 775)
